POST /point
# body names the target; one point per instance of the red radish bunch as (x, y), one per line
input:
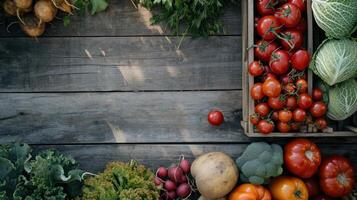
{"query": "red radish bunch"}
(175, 181)
(280, 89)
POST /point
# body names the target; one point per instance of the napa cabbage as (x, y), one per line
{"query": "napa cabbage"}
(338, 18)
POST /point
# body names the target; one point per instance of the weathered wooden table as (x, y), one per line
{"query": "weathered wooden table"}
(113, 87)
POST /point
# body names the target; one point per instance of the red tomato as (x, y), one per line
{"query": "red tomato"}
(295, 126)
(304, 101)
(254, 119)
(321, 123)
(285, 115)
(317, 94)
(266, 7)
(300, 60)
(318, 109)
(337, 176)
(279, 62)
(271, 88)
(276, 103)
(302, 157)
(289, 15)
(269, 76)
(268, 27)
(313, 187)
(301, 4)
(289, 88)
(299, 115)
(215, 117)
(291, 102)
(283, 127)
(265, 126)
(263, 50)
(256, 68)
(302, 26)
(262, 109)
(275, 115)
(293, 39)
(301, 85)
(256, 92)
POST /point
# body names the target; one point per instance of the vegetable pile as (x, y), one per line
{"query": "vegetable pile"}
(335, 60)
(280, 90)
(50, 175)
(34, 14)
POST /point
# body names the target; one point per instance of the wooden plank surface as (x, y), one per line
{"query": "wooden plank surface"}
(121, 19)
(145, 117)
(94, 157)
(119, 63)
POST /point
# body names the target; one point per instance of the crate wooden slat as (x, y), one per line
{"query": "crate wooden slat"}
(248, 80)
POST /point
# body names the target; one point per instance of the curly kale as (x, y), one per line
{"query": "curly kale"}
(260, 161)
(121, 181)
(49, 176)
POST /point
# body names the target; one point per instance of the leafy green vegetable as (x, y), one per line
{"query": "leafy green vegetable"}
(92, 6)
(335, 60)
(259, 162)
(50, 176)
(338, 18)
(343, 100)
(196, 17)
(121, 181)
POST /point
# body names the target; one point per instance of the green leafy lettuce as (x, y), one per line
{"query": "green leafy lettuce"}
(338, 18)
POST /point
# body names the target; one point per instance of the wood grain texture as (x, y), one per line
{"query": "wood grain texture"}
(146, 117)
(94, 157)
(120, 64)
(121, 19)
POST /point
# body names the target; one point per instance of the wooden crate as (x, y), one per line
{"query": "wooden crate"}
(248, 80)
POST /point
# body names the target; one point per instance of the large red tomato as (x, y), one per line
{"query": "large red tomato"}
(271, 88)
(263, 50)
(300, 60)
(337, 176)
(266, 7)
(268, 27)
(279, 62)
(289, 15)
(288, 188)
(302, 157)
(293, 39)
(301, 4)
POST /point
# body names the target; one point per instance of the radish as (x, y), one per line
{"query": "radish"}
(32, 26)
(45, 10)
(10, 7)
(161, 172)
(183, 179)
(183, 190)
(175, 174)
(171, 195)
(170, 186)
(157, 181)
(185, 166)
(23, 4)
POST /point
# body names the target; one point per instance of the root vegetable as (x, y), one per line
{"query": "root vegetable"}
(185, 166)
(175, 174)
(161, 172)
(65, 8)
(23, 4)
(183, 190)
(216, 174)
(45, 10)
(10, 7)
(32, 26)
(171, 195)
(170, 186)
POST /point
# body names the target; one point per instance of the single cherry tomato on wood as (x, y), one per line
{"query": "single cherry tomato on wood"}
(302, 157)
(262, 109)
(299, 115)
(265, 126)
(256, 92)
(288, 188)
(254, 119)
(283, 127)
(337, 176)
(285, 115)
(321, 123)
(292, 39)
(256, 68)
(271, 88)
(215, 117)
(304, 101)
(291, 102)
(317, 94)
(313, 186)
(289, 15)
(276, 103)
(268, 27)
(301, 4)
(318, 109)
(279, 62)
(301, 85)
(300, 60)
(263, 50)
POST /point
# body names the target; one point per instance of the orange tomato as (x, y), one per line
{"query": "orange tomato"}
(288, 188)
(250, 192)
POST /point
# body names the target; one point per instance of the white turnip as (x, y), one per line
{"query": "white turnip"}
(45, 11)
(10, 7)
(23, 4)
(183, 190)
(175, 174)
(32, 26)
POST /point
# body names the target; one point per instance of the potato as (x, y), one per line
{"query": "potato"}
(216, 174)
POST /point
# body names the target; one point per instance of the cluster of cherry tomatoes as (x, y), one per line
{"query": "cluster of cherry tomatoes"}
(281, 89)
